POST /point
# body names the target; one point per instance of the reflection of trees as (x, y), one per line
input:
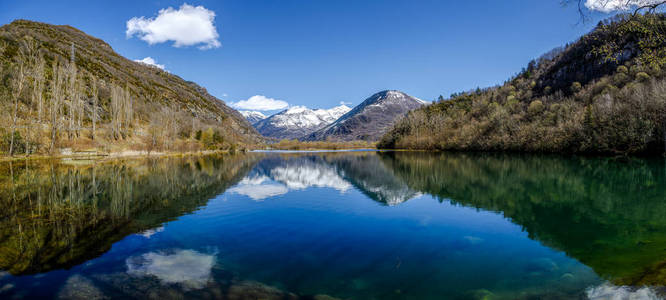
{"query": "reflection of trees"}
(54, 215)
(609, 214)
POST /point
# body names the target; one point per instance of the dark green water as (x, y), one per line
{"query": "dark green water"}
(346, 225)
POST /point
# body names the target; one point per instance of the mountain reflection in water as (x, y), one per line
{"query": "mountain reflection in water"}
(605, 214)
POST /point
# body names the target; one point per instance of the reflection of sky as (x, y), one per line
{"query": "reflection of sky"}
(190, 268)
(420, 246)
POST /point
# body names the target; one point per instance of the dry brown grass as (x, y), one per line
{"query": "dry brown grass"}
(321, 145)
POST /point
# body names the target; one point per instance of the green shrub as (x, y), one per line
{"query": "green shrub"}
(642, 76)
(620, 78)
(576, 87)
(655, 71)
(536, 107)
(207, 138)
(622, 69)
(19, 143)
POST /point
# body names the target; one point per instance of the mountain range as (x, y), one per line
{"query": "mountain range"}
(367, 121)
(298, 121)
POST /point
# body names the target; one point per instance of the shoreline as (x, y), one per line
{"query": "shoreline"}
(87, 155)
(111, 155)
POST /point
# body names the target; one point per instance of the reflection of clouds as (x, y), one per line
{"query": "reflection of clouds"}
(259, 192)
(190, 268)
(303, 176)
(150, 232)
(610, 291)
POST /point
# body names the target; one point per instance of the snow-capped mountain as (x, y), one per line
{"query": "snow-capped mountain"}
(370, 119)
(298, 121)
(252, 116)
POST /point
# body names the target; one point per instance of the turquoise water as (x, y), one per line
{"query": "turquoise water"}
(352, 225)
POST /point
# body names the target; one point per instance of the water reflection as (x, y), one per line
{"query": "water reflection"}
(610, 214)
(189, 268)
(54, 215)
(277, 175)
(352, 225)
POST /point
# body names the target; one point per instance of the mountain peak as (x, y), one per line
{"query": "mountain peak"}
(252, 116)
(370, 119)
(392, 94)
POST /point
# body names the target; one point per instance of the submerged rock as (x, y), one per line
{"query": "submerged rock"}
(544, 265)
(79, 287)
(256, 290)
(480, 294)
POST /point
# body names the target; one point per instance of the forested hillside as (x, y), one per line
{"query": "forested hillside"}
(60, 88)
(605, 93)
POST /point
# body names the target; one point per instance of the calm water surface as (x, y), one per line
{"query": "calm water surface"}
(352, 225)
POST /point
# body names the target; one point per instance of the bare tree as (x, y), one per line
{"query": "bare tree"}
(73, 93)
(38, 87)
(638, 6)
(122, 113)
(57, 98)
(18, 83)
(93, 109)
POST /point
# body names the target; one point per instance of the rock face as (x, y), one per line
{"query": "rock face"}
(252, 116)
(370, 119)
(298, 121)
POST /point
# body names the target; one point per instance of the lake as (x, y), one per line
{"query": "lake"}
(335, 225)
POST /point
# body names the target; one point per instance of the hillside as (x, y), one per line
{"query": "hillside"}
(369, 120)
(605, 93)
(298, 121)
(62, 88)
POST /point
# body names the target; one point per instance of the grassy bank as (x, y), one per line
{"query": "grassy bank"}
(320, 145)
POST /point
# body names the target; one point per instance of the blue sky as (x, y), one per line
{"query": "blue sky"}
(319, 53)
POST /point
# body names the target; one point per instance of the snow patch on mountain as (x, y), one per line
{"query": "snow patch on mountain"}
(252, 116)
(298, 121)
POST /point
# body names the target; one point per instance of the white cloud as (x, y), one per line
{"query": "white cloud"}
(613, 5)
(150, 61)
(187, 26)
(189, 268)
(259, 102)
(345, 103)
(610, 291)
